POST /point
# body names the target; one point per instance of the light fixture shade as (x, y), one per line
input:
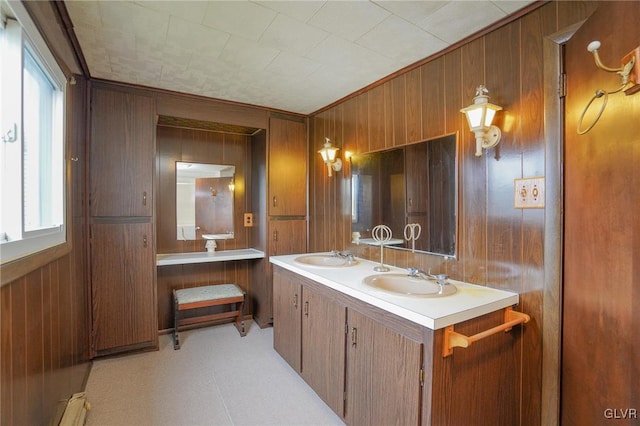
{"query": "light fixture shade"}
(329, 153)
(480, 116)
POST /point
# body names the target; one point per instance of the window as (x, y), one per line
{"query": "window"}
(32, 146)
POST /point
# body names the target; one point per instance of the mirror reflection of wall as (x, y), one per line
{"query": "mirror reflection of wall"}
(378, 188)
(416, 184)
(204, 200)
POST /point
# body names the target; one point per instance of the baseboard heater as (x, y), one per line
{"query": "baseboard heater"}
(75, 414)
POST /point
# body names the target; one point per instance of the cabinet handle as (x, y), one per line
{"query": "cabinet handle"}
(275, 235)
(410, 202)
(144, 198)
(354, 337)
(144, 240)
(295, 300)
(306, 308)
(275, 201)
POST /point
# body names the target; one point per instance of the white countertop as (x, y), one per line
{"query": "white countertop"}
(470, 301)
(204, 257)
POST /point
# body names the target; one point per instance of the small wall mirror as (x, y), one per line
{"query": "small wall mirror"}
(204, 201)
(412, 185)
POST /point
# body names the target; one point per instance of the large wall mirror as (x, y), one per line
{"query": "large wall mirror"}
(204, 200)
(413, 185)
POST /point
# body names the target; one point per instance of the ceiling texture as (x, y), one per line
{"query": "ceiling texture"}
(295, 56)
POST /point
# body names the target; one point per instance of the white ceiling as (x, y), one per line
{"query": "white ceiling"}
(297, 56)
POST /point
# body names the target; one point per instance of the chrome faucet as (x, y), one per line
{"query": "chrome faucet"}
(344, 255)
(440, 278)
(418, 273)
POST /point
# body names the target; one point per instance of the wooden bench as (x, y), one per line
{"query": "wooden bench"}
(205, 296)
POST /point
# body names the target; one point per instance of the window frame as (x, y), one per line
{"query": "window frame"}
(40, 247)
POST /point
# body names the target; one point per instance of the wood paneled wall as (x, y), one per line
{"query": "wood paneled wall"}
(44, 320)
(601, 291)
(497, 245)
(193, 145)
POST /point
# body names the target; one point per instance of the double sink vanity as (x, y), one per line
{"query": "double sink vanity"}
(370, 343)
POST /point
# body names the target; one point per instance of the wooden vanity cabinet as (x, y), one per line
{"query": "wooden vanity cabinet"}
(121, 242)
(287, 330)
(392, 369)
(323, 334)
(365, 372)
(309, 333)
(384, 369)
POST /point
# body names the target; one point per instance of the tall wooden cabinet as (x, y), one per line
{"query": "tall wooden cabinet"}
(286, 198)
(122, 242)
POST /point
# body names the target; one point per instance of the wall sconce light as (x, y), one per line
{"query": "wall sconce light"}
(479, 116)
(232, 184)
(214, 192)
(328, 153)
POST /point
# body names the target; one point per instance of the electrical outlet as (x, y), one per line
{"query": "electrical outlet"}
(529, 193)
(248, 220)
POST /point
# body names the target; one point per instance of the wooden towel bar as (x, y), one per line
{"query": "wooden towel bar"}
(205, 296)
(453, 339)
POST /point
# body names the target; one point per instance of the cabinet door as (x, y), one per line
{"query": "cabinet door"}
(323, 339)
(287, 236)
(287, 301)
(359, 381)
(383, 374)
(123, 287)
(121, 154)
(287, 168)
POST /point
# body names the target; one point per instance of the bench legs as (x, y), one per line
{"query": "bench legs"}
(239, 320)
(176, 312)
(237, 313)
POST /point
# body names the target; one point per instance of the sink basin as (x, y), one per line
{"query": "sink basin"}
(403, 284)
(324, 261)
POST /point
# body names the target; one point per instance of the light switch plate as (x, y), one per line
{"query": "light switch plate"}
(529, 193)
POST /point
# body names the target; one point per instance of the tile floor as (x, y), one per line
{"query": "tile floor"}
(216, 378)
